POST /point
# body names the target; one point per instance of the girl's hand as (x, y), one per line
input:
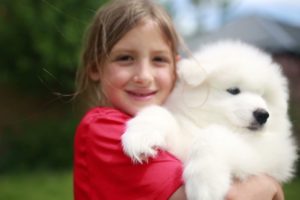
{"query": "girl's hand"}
(260, 187)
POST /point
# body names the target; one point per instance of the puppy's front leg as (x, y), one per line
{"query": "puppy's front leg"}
(207, 173)
(147, 132)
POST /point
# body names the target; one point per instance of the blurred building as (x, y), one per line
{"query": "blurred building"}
(267, 33)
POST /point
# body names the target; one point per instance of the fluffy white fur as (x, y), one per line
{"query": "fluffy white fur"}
(226, 118)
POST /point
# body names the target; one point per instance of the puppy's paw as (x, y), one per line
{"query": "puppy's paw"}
(211, 188)
(206, 178)
(141, 142)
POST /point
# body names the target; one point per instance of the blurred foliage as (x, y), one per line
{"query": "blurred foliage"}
(294, 112)
(41, 41)
(44, 143)
(40, 46)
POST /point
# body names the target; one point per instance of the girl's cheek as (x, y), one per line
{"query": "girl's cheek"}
(169, 77)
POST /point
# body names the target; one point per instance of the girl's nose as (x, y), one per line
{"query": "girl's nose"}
(143, 74)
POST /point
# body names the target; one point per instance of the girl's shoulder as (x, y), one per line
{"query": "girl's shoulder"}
(104, 122)
(105, 114)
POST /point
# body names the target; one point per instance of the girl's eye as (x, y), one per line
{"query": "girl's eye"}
(124, 58)
(161, 59)
(234, 90)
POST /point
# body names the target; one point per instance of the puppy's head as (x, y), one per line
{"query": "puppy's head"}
(233, 83)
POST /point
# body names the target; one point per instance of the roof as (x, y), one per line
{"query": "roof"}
(266, 33)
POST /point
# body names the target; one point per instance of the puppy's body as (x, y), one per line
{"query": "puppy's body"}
(227, 121)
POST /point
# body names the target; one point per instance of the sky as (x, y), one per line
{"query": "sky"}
(286, 10)
(188, 17)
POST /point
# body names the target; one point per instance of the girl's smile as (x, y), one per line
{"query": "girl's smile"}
(142, 95)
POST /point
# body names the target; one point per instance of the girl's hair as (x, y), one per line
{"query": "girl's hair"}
(111, 22)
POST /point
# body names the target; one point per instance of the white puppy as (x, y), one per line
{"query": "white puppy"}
(226, 118)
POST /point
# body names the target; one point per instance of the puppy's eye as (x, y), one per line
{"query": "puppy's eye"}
(234, 90)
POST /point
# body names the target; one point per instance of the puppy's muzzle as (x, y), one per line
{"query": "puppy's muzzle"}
(261, 116)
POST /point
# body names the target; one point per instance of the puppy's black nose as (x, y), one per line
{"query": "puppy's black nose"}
(261, 116)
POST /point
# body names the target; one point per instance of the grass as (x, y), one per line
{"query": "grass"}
(49, 185)
(292, 190)
(45, 185)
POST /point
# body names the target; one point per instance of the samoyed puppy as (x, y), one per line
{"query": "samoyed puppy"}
(227, 118)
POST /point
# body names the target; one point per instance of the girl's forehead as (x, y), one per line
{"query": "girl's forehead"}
(147, 33)
(163, 30)
(149, 23)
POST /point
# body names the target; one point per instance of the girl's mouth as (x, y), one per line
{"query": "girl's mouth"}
(141, 96)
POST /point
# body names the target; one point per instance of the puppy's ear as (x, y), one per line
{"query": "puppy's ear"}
(190, 72)
(192, 82)
(194, 96)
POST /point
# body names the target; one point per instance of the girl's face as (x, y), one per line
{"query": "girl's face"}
(140, 70)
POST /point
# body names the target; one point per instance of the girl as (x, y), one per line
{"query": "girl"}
(128, 63)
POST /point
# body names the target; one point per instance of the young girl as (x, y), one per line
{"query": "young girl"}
(128, 63)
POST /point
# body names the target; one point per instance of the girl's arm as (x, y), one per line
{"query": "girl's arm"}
(260, 187)
(179, 194)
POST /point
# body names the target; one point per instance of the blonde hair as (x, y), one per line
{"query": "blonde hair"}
(111, 22)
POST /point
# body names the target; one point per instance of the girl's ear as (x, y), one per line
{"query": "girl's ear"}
(94, 73)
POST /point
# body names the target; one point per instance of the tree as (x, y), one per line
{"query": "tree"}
(41, 41)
